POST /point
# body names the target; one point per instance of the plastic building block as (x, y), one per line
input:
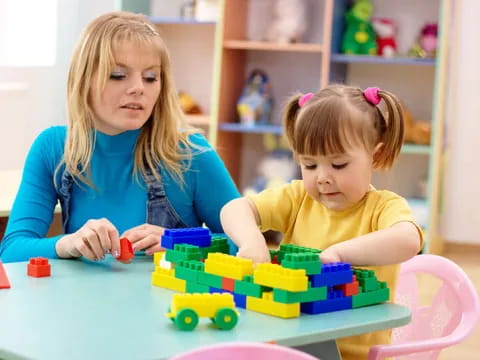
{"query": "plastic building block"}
(367, 279)
(157, 257)
(335, 301)
(166, 278)
(183, 252)
(186, 309)
(291, 248)
(308, 261)
(333, 274)
(228, 266)
(193, 287)
(372, 297)
(266, 305)
(38, 267)
(228, 284)
(189, 270)
(193, 236)
(166, 264)
(349, 289)
(126, 250)
(4, 282)
(289, 297)
(275, 276)
(219, 244)
(210, 279)
(247, 287)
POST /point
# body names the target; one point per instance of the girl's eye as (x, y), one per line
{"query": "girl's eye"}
(339, 166)
(117, 76)
(310, 167)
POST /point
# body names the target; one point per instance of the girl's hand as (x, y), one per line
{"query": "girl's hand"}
(330, 255)
(145, 237)
(259, 254)
(93, 240)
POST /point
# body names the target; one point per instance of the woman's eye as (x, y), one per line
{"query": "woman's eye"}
(339, 166)
(150, 79)
(311, 167)
(117, 76)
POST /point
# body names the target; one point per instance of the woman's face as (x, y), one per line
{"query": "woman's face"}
(130, 92)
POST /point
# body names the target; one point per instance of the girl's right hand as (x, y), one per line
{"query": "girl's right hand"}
(259, 254)
(93, 240)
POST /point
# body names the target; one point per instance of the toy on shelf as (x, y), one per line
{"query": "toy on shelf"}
(426, 44)
(295, 281)
(255, 103)
(4, 282)
(126, 250)
(186, 309)
(416, 132)
(288, 25)
(359, 36)
(38, 267)
(385, 34)
(188, 104)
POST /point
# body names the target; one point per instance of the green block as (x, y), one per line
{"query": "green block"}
(291, 248)
(189, 270)
(371, 298)
(308, 261)
(183, 252)
(219, 244)
(247, 287)
(367, 280)
(290, 297)
(210, 280)
(193, 287)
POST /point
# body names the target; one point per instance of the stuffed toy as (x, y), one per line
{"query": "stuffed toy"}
(359, 36)
(188, 104)
(385, 32)
(416, 132)
(255, 103)
(426, 44)
(289, 20)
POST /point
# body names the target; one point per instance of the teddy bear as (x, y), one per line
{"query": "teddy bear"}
(385, 32)
(288, 25)
(416, 132)
(359, 36)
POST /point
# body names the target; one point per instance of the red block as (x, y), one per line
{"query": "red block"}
(349, 289)
(4, 283)
(126, 250)
(228, 284)
(38, 267)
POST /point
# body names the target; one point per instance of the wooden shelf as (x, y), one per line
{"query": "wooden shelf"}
(198, 120)
(370, 59)
(269, 46)
(416, 149)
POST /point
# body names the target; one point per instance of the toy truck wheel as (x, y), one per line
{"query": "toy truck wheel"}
(226, 318)
(186, 319)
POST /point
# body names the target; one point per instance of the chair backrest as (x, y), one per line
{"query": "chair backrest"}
(244, 350)
(451, 316)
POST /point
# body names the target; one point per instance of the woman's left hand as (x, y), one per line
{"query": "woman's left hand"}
(145, 237)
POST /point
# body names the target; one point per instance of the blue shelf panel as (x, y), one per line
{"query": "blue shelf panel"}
(416, 149)
(253, 129)
(369, 59)
(178, 20)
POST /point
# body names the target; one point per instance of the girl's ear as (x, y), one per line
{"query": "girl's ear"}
(377, 153)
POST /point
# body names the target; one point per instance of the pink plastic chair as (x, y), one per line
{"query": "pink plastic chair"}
(450, 318)
(244, 350)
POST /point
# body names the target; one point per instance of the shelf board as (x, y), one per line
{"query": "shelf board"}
(178, 20)
(416, 149)
(270, 46)
(198, 120)
(371, 59)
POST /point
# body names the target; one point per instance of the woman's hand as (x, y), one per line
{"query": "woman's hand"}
(93, 240)
(145, 237)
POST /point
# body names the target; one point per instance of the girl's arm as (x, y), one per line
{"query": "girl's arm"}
(240, 220)
(393, 245)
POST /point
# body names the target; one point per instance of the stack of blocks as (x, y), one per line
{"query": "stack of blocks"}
(296, 281)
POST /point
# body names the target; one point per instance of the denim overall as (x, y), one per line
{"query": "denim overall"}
(159, 210)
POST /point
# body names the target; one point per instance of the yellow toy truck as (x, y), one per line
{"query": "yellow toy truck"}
(186, 309)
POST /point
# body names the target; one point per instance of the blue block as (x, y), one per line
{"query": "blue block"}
(187, 232)
(332, 274)
(197, 236)
(240, 300)
(335, 301)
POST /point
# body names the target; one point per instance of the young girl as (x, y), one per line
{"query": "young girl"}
(126, 165)
(339, 136)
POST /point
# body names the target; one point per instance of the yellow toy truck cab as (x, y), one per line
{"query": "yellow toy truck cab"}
(186, 309)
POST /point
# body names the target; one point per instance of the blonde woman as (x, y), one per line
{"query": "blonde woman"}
(126, 164)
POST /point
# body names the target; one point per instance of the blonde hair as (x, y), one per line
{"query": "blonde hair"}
(338, 117)
(163, 138)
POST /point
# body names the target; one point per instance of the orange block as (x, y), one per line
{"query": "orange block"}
(126, 250)
(38, 267)
(4, 283)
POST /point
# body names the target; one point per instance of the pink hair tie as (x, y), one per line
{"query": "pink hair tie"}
(305, 98)
(371, 95)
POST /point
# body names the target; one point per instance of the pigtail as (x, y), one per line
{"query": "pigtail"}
(392, 137)
(290, 118)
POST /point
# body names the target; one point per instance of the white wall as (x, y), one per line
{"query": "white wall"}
(461, 215)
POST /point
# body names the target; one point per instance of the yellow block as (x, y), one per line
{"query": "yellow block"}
(166, 278)
(276, 276)
(266, 305)
(205, 305)
(157, 257)
(228, 266)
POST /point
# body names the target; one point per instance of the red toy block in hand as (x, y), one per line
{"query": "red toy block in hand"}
(126, 250)
(4, 283)
(38, 267)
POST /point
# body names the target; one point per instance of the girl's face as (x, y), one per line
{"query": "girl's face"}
(338, 181)
(131, 90)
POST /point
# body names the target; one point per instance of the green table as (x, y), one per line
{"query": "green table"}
(109, 310)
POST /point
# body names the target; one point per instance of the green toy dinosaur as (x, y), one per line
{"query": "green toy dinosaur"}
(359, 36)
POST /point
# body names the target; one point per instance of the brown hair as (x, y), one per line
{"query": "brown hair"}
(338, 117)
(164, 139)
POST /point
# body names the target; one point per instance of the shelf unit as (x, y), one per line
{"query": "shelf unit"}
(234, 51)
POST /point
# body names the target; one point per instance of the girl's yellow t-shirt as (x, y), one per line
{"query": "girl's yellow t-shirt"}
(305, 222)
